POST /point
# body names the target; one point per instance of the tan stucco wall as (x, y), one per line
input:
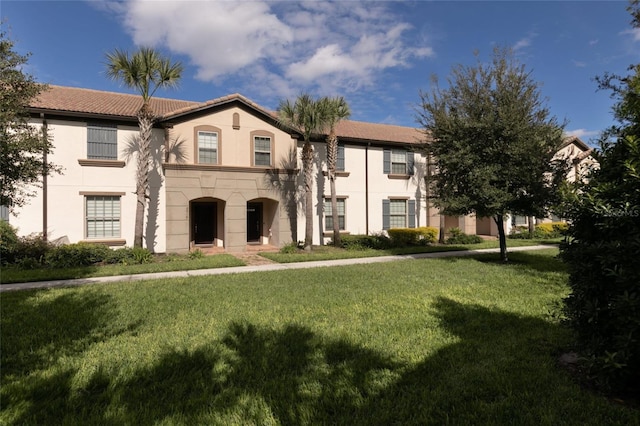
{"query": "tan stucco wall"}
(232, 190)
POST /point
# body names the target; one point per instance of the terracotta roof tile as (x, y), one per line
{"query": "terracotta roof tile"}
(75, 100)
(88, 101)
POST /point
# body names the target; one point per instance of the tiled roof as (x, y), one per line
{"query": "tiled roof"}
(73, 100)
(88, 101)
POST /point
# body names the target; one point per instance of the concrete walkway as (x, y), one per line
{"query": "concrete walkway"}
(256, 268)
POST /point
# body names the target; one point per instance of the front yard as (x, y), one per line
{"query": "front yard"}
(434, 341)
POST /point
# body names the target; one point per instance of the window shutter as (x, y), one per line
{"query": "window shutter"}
(410, 163)
(386, 165)
(386, 214)
(340, 159)
(412, 213)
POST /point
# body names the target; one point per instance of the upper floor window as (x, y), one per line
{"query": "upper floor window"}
(207, 144)
(102, 141)
(340, 159)
(208, 147)
(398, 162)
(262, 148)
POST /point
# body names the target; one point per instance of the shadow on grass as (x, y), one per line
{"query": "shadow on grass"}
(501, 370)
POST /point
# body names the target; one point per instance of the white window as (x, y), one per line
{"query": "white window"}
(102, 141)
(397, 213)
(328, 214)
(102, 216)
(208, 147)
(398, 162)
(262, 150)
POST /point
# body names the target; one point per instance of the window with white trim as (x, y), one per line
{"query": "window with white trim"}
(102, 216)
(398, 213)
(261, 151)
(328, 214)
(398, 162)
(207, 147)
(102, 141)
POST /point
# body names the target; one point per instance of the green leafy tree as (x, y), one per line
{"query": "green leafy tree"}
(23, 148)
(603, 245)
(146, 71)
(305, 114)
(335, 110)
(492, 141)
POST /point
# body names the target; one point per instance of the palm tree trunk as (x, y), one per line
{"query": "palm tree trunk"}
(332, 157)
(145, 121)
(307, 163)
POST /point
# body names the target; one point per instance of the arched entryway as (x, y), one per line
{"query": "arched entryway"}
(206, 222)
(262, 222)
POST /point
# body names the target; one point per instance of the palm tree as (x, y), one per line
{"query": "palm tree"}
(306, 115)
(146, 70)
(335, 109)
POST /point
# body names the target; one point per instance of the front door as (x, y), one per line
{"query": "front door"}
(254, 222)
(204, 223)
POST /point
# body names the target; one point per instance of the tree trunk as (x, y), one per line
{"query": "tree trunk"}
(532, 225)
(499, 219)
(145, 121)
(307, 163)
(332, 157)
(442, 224)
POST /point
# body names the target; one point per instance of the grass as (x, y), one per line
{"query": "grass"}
(433, 341)
(162, 264)
(333, 253)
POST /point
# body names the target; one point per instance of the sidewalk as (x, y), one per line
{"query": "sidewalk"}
(256, 268)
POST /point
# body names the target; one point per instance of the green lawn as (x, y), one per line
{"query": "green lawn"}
(332, 253)
(161, 264)
(433, 341)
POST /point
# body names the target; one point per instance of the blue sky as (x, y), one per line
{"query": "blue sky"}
(379, 55)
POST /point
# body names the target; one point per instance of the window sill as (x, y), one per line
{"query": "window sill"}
(338, 174)
(106, 242)
(397, 176)
(101, 163)
(330, 233)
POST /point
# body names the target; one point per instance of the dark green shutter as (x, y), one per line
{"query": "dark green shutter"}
(410, 163)
(386, 164)
(386, 214)
(412, 213)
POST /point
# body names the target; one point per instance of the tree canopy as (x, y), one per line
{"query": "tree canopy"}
(493, 141)
(603, 244)
(23, 148)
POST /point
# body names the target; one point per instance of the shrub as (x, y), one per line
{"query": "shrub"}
(363, 242)
(196, 254)
(401, 237)
(31, 250)
(77, 254)
(8, 242)
(456, 236)
(551, 230)
(290, 248)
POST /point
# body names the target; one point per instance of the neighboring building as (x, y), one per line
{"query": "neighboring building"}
(224, 175)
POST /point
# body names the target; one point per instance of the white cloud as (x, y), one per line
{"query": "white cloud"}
(287, 45)
(582, 133)
(524, 42)
(635, 33)
(579, 64)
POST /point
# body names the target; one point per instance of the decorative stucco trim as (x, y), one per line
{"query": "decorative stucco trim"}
(214, 168)
(102, 193)
(101, 163)
(405, 177)
(106, 242)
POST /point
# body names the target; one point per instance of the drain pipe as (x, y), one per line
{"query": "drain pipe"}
(366, 186)
(45, 173)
